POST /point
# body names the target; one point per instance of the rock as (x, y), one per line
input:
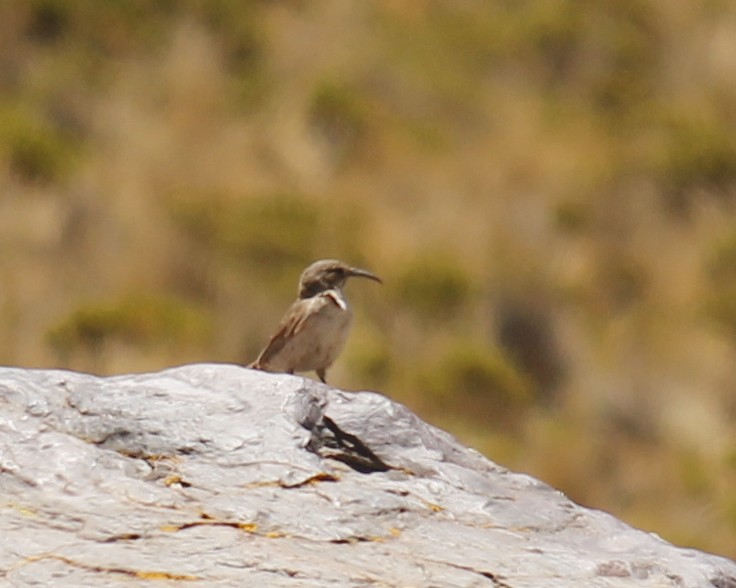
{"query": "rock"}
(216, 475)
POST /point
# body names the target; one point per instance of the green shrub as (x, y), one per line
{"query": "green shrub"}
(137, 320)
(700, 156)
(341, 114)
(271, 232)
(480, 383)
(370, 361)
(720, 302)
(35, 149)
(433, 288)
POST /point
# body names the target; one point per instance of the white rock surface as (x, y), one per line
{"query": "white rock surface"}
(216, 475)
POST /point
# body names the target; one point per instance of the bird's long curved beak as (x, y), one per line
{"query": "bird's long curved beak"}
(361, 273)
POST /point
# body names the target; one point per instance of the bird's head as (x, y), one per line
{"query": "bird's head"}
(327, 274)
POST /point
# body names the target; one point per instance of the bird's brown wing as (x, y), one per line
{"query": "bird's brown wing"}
(292, 323)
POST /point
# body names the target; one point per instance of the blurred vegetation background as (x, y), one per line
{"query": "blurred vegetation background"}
(548, 189)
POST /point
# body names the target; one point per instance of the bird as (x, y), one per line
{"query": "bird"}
(315, 328)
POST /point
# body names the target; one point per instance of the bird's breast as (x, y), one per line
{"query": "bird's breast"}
(324, 335)
(332, 315)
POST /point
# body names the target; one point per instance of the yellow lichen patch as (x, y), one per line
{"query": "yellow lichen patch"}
(165, 576)
(406, 471)
(21, 509)
(162, 457)
(323, 477)
(173, 479)
(393, 533)
(433, 507)
(148, 575)
(262, 484)
(170, 528)
(312, 480)
(209, 522)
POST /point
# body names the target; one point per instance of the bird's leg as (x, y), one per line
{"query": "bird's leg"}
(321, 374)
